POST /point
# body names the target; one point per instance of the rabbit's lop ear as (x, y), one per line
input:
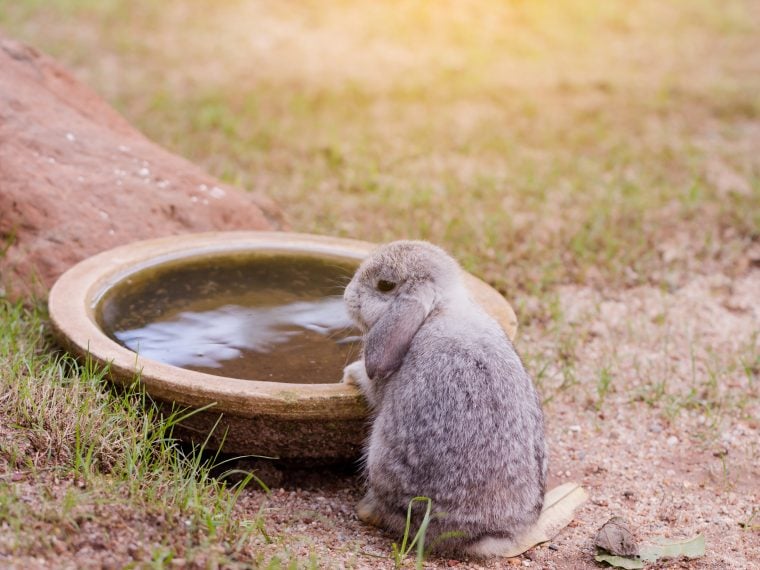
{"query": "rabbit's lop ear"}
(388, 341)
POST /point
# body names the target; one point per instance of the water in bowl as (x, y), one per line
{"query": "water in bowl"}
(272, 317)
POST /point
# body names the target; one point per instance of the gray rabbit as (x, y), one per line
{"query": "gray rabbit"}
(456, 417)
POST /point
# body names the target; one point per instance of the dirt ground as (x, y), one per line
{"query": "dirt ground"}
(652, 404)
(691, 470)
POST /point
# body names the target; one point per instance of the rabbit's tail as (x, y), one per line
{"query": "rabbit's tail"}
(559, 507)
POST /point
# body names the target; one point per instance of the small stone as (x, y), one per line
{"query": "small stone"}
(59, 546)
(615, 537)
(134, 550)
(575, 428)
(672, 440)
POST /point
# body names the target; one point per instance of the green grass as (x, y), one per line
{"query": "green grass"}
(409, 541)
(96, 454)
(578, 138)
(417, 542)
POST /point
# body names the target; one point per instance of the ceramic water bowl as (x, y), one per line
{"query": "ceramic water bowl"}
(249, 323)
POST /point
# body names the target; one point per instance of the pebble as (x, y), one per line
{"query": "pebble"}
(59, 546)
(672, 440)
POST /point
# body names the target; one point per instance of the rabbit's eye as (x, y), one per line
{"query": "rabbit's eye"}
(385, 286)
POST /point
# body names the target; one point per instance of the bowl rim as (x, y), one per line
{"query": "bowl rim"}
(74, 298)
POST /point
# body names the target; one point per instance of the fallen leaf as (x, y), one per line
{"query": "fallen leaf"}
(620, 561)
(692, 548)
(559, 508)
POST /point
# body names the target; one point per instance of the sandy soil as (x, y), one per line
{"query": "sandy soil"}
(687, 463)
(652, 404)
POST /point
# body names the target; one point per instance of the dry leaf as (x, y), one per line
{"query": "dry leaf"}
(559, 508)
(692, 548)
(620, 561)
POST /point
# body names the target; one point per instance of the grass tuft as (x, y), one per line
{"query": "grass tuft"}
(89, 447)
(409, 542)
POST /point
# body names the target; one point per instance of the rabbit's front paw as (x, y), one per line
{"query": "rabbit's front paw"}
(354, 373)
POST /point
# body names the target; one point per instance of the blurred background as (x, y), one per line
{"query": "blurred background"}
(543, 142)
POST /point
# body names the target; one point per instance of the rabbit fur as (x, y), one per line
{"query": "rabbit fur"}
(455, 416)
